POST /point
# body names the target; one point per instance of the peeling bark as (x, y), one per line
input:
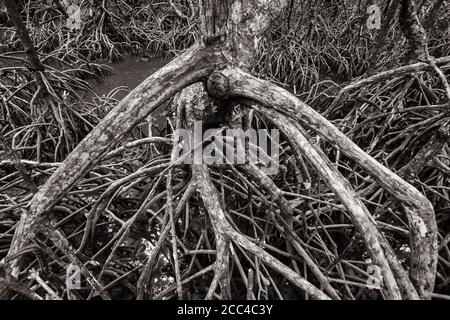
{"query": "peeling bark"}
(236, 26)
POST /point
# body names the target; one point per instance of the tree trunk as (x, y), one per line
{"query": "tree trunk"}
(413, 30)
(32, 55)
(231, 30)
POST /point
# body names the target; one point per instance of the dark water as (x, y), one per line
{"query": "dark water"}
(128, 73)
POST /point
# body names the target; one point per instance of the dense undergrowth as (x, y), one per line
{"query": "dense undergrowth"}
(316, 51)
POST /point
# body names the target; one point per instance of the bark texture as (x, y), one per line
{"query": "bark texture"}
(231, 31)
(420, 213)
(32, 55)
(188, 68)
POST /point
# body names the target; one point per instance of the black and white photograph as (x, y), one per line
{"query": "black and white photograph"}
(224, 155)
